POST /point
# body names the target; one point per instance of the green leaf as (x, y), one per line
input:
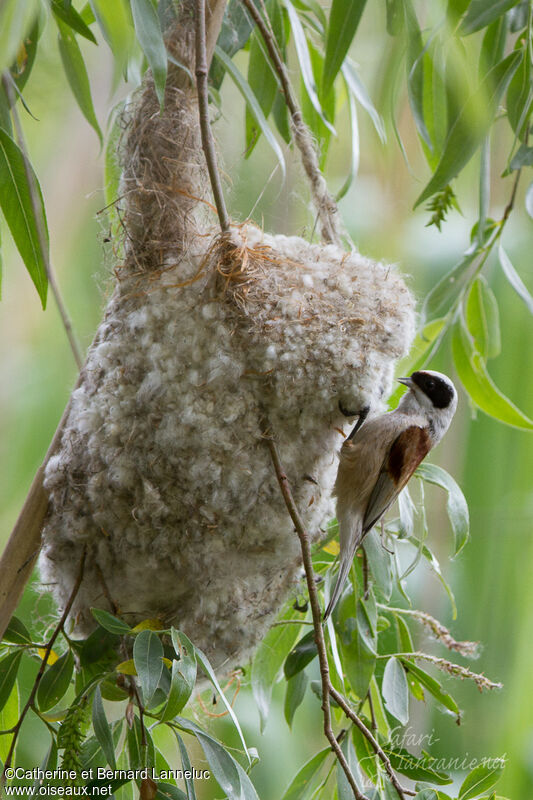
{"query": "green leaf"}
(181, 686)
(17, 632)
(55, 682)
(280, 115)
(427, 794)
(139, 755)
(435, 566)
(21, 72)
(112, 168)
(357, 639)
(315, 121)
(358, 90)
(432, 686)
(366, 756)
(304, 60)
(522, 158)
(480, 780)
(262, 79)
(519, 100)
(301, 782)
(405, 641)
(168, 791)
(69, 15)
(344, 790)
(186, 767)
(76, 73)
(301, 655)
(251, 100)
(8, 675)
(294, 695)
(227, 772)
(210, 673)
(448, 289)
(148, 29)
(101, 728)
(267, 662)
(417, 768)
(379, 562)
(5, 112)
(415, 70)
(456, 505)
(405, 645)
(529, 200)
(16, 19)
(9, 716)
(482, 318)
(482, 12)
(115, 22)
(395, 691)
(478, 383)
(395, 17)
(148, 658)
(471, 125)
(109, 622)
(344, 19)
(236, 28)
(514, 278)
(16, 204)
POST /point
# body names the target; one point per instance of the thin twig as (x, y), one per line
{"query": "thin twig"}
(44, 662)
(350, 713)
(315, 609)
(325, 204)
(208, 145)
(34, 199)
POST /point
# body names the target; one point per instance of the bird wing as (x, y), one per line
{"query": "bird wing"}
(404, 456)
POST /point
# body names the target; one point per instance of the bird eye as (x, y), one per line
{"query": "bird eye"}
(431, 383)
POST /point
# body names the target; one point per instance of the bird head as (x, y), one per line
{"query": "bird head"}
(434, 394)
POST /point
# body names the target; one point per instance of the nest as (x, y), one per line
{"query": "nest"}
(162, 474)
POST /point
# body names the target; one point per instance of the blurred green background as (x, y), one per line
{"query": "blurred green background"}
(492, 463)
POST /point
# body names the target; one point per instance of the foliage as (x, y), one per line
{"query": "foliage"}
(149, 674)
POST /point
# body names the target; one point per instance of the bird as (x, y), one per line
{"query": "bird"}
(379, 456)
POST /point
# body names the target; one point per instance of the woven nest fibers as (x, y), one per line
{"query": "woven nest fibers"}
(162, 473)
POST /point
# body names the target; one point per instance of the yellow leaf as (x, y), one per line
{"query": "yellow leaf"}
(56, 716)
(52, 658)
(126, 667)
(168, 662)
(148, 625)
(332, 548)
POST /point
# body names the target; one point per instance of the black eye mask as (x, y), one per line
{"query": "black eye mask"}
(439, 391)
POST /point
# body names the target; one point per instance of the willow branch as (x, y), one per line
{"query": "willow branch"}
(350, 713)
(43, 247)
(208, 144)
(44, 662)
(325, 204)
(316, 612)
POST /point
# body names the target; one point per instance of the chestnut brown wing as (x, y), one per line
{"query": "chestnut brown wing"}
(404, 456)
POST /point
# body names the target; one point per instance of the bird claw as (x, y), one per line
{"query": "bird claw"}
(362, 415)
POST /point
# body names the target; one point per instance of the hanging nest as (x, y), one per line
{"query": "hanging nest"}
(162, 473)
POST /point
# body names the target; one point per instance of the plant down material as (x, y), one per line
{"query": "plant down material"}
(162, 472)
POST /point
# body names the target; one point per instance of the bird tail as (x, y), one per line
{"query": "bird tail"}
(346, 559)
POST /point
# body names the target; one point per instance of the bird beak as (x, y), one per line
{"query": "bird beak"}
(406, 381)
